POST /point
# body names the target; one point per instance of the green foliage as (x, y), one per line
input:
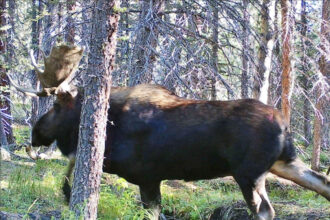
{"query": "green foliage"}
(119, 206)
(324, 157)
(21, 134)
(199, 202)
(32, 187)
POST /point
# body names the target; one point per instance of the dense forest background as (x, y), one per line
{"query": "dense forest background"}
(275, 51)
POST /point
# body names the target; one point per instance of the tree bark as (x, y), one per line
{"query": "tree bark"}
(286, 11)
(92, 133)
(261, 80)
(50, 29)
(70, 30)
(323, 82)
(214, 60)
(304, 76)
(146, 40)
(4, 81)
(245, 51)
(3, 138)
(35, 27)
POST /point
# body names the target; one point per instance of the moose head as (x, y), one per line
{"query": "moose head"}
(59, 68)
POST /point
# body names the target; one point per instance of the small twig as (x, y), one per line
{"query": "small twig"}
(32, 205)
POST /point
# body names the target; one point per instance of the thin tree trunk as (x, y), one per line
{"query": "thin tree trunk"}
(304, 77)
(286, 10)
(50, 29)
(92, 134)
(70, 30)
(261, 81)
(3, 138)
(35, 46)
(214, 60)
(4, 81)
(245, 51)
(146, 40)
(322, 96)
(10, 38)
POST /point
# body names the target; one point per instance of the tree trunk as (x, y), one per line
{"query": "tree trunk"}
(304, 75)
(11, 32)
(322, 96)
(276, 87)
(35, 46)
(92, 133)
(4, 81)
(286, 11)
(146, 41)
(3, 138)
(214, 59)
(70, 30)
(261, 80)
(245, 51)
(50, 29)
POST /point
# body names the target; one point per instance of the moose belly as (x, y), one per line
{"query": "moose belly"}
(160, 157)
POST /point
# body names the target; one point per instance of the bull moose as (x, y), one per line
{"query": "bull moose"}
(154, 135)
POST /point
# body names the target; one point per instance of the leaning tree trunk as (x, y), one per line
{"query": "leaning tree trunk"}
(322, 87)
(286, 10)
(92, 134)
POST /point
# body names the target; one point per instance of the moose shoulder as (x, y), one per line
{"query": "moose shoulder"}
(153, 135)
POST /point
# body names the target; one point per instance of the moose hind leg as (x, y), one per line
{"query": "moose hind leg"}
(256, 197)
(151, 199)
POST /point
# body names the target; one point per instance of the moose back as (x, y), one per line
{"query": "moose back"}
(153, 135)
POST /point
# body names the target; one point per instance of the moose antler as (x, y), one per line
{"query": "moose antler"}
(59, 66)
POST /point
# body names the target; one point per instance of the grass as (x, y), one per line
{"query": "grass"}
(21, 134)
(35, 187)
(31, 187)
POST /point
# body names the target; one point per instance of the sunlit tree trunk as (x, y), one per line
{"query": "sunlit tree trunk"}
(92, 133)
(261, 80)
(286, 10)
(276, 86)
(322, 86)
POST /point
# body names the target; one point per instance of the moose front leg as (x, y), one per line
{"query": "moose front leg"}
(151, 199)
(66, 186)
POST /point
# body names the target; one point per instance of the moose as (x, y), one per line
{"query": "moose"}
(154, 135)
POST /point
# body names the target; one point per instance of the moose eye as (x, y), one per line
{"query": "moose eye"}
(57, 107)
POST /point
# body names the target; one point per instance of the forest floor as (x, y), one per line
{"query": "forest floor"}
(35, 187)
